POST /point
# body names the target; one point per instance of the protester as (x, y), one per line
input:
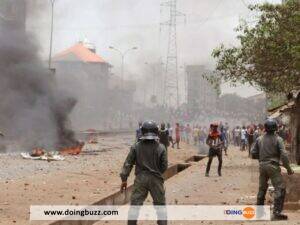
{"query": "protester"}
(196, 132)
(215, 143)
(188, 132)
(177, 135)
(243, 139)
(164, 136)
(236, 135)
(170, 130)
(202, 135)
(224, 138)
(250, 138)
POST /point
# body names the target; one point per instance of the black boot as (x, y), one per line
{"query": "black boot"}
(260, 201)
(162, 222)
(278, 206)
(132, 222)
(279, 217)
(219, 173)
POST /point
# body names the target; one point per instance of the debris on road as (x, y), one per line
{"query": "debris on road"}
(37, 152)
(50, 156)
(93, 141)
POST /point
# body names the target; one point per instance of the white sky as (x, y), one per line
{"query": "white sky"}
(128, 23)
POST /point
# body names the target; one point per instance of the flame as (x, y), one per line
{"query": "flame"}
(74, 150)
(37, 152)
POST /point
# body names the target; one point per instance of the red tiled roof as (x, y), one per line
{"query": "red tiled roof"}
(79, 52)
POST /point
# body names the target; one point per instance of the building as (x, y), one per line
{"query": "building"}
(84, 74)
(201, 94)
(288, 114)
(102, 102)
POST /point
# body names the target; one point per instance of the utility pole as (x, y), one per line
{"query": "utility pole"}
(123, 54)
(51, 32)
(171, 88)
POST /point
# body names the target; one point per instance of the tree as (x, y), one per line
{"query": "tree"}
(269, 53)
(268, 56)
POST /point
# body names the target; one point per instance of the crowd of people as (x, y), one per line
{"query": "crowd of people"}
(245, 136)
(265, 143)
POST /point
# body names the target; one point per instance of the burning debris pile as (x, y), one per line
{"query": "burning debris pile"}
(33, 111)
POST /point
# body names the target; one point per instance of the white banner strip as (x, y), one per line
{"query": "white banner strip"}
(149, 212)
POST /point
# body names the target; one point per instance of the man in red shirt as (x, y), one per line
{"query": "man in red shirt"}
(215, 143)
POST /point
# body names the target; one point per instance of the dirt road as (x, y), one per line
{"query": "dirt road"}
(238, 185)
(82, 179)
(93, 175)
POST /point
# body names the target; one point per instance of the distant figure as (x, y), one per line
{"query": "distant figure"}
(237, 135)
(177, 135)
(250, 137)
(202, 135)
(170, 129)
(164, 136)
(188, 131)
(256, 133)
(182, 132)
(138, 132)
(224, 138)
(196, 132)
(243, 138)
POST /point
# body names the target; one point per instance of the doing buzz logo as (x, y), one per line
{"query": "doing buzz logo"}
(247, 212)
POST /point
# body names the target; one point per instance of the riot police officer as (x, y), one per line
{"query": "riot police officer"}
(269, 149)
(150, 160)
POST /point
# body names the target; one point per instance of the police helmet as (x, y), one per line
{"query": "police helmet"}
(149, 130)
(271, 126)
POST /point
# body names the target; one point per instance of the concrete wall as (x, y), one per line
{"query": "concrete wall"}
(292, 191)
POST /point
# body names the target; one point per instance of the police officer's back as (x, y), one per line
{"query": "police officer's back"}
(150, 160)
(269, 150)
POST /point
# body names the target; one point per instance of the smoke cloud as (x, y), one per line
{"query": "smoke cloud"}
(33, 111)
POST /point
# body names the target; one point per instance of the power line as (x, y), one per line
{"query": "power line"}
(245, 4)
(171, 88)
(212, 12)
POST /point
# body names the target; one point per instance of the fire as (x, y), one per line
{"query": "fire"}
(37, 152)
(74, 150)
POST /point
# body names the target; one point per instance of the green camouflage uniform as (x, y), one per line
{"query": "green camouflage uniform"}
(150, 160)
(269, 149)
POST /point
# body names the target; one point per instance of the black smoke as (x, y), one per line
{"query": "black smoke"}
(33, 111)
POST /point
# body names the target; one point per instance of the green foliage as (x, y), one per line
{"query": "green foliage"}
(269, 53)
(214, 81)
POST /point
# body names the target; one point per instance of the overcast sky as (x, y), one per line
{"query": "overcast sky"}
(128, 23)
